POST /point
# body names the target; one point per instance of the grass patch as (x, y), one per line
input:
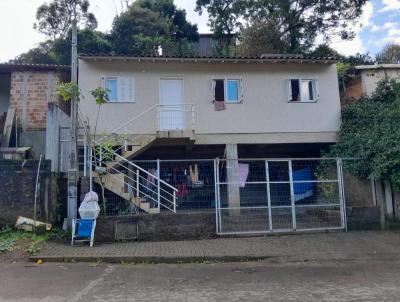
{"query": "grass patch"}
(13, 240)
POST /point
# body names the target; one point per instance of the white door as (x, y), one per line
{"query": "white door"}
(171, 111)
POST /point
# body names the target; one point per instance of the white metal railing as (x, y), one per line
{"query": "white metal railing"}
(176, 117)
(144, 183)
(169, 117)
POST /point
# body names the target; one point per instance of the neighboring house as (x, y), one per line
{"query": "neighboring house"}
(26, 90)
(365, 79)
(208, 45)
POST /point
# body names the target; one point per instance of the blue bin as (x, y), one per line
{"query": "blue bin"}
(85, 227)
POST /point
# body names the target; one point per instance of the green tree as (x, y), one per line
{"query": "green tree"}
(55, 19)
(259, 38)
(59, 50)
(298, 22)
(148, 25)
(389, 54)
(370, 131)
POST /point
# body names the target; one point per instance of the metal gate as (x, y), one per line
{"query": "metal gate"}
(279, 195)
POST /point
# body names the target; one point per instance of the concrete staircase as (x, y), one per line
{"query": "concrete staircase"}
(116, 183)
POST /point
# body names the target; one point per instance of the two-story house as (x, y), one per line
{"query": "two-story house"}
(203, 108)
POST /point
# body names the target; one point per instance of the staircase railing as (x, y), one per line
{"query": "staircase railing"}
(142, 183)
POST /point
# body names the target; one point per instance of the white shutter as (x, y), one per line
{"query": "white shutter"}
(126, 89)
(241, 90)
(103, 82)
(121, 89)
(316, 87)
(289, 88)
(213, 90)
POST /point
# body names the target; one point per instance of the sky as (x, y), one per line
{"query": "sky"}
(378, 25)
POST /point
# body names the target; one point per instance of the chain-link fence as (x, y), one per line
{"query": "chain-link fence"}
(279, 195)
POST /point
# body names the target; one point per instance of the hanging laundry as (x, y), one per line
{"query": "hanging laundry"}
(243, 174)
(194, 175)
(218, 105)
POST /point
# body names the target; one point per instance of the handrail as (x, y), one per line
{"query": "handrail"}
(141, 169)
(134, 181)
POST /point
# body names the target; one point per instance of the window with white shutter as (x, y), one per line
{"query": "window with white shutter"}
(303, 90)
(121, 89)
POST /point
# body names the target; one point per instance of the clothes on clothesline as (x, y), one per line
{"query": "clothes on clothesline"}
(243, 174)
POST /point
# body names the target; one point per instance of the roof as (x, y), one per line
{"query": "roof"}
(378, 66)
(267, 58)
(39, 67)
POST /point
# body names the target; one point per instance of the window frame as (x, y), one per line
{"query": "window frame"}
(226, 79)
(315, 86)
(105, 78)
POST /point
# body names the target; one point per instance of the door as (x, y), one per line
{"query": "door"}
(171, 111)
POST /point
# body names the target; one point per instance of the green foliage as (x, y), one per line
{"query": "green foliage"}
(11, 240)
(370, 131)
(261, 37)
(54, 19)
(69, 91)
(100, 94)
(298, 23)
(389, 54)
(148, 25)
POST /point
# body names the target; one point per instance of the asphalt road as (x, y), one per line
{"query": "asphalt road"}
(356, 280)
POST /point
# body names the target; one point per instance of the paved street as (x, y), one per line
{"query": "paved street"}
(249, 281)
(301, 247)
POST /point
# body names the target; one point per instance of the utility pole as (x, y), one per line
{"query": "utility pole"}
(73, 164)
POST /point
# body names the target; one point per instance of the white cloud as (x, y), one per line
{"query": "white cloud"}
(356, 45)
(390, 5)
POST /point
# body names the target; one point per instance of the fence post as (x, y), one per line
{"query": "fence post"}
(343, 218)
(158, 184)
(84, 156)
(268, 195)
(292, 195)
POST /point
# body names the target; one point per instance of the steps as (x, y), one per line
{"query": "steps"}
(116, 184)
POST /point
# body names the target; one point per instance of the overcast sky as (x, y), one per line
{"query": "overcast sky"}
(379, 25)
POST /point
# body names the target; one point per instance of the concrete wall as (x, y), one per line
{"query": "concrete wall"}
(5, 82)
(166, 226)
(370, 78)
(265, 112)
(18, 181)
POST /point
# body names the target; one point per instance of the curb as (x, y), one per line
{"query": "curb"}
(153, 259)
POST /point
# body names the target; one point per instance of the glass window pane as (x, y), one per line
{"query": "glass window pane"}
(233, 90)
(219, 93)
(112, 86)
(295, 86)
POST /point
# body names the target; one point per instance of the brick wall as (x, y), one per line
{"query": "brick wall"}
(30, 93)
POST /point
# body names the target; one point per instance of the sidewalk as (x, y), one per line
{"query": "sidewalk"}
(288, 248)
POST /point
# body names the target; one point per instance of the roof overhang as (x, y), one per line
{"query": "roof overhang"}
(243, 60)
(378, 66)
(8, 67)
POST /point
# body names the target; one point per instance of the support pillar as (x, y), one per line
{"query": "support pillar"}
(232, 171)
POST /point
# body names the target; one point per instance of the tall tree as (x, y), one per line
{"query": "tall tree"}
(298, 22)
(389, 54)
(150, 24)
(55, 19)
